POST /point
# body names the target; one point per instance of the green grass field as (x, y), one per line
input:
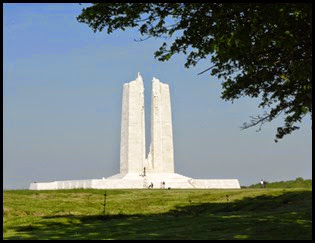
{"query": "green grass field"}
(251, 214)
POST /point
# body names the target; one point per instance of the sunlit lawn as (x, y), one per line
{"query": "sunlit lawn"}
(158, 214)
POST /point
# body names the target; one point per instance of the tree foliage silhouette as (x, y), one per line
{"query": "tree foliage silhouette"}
(259, 50)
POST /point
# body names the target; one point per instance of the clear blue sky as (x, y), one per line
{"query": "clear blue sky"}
(62, 107)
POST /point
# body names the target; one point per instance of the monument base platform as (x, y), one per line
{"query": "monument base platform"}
(136, 181)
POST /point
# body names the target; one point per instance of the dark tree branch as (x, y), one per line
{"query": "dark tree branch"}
(259, 120)
(207, 69)
(142, 39)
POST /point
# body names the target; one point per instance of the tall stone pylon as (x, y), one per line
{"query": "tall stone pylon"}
(161, 154)
(132, 142)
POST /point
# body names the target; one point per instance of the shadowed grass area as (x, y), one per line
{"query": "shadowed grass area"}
(159, 214)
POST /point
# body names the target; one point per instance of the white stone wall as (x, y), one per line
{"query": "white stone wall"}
(59, 185)
(133, 180)
(132, 145)
(156, 127)
(161, 153)
(167, 131)
(124, 130)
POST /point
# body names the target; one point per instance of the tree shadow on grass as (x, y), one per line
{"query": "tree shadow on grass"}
(287, 216)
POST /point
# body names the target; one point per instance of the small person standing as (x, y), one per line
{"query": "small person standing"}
(262, 183)
(265, 184)
(151, 185)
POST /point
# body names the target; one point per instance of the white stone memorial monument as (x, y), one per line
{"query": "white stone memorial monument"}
(137, 171)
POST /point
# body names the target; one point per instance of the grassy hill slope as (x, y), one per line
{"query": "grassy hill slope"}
(297, 183)
(158, 214)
